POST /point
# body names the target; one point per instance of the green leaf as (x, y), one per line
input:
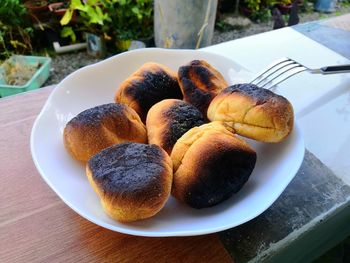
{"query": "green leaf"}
(99, 11)
(76, 4)
(66, 17)
(16, 43)
(92, 2)
(137, 12)
(95, 14)
(69, 32)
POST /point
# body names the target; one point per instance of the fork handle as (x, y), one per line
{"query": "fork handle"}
(335, 69)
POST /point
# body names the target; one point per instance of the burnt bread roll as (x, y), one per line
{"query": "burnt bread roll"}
(200, 83)
(133, 180)
(253, 112)
(148, 85)
(100, 127)
(168, 120)
(210, 165)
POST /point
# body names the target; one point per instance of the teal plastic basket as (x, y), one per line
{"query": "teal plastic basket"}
(37, 80)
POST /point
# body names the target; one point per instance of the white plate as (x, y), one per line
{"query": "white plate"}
(276, 166)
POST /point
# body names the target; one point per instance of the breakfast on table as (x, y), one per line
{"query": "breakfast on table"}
(174, 133)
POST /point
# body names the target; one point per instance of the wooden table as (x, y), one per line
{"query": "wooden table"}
(36, 226)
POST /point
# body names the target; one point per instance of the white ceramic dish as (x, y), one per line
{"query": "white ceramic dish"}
(276, 166)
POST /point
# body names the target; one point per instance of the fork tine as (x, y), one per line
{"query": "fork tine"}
(290, 73)
(278, 74)
(282, 68)
(271, 66)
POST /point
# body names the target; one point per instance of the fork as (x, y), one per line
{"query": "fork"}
(284, 68)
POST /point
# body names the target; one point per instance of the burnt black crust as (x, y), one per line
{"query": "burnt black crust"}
(260, 95)
(203, 73)
(94, 116)
(181, 117)
(220, 176)
(195, 62)
(129, 168)
(205, 76)
(152, 88)
(194, 95)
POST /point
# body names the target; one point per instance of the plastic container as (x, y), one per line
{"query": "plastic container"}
(37, 80)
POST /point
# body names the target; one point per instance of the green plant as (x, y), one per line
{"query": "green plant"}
(261, 15)
(253, 5)
(260, 10)
(222, 26)
(15, 30)
(93, 18)
(120, 19)
(131, 19)
(307, 6)
(345, 3)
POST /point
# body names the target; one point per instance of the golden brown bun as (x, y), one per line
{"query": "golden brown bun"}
(148, 85)
(133, 180)
(253, 112)
(168, 120)
(210, 165)
(200, 83)
(100, 127)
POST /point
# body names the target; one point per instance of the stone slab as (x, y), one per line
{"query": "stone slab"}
(328, 33)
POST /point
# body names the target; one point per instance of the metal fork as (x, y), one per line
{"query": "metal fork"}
(284, 68)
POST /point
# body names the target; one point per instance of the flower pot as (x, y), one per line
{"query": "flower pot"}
(58, 8)
(284, 9)
(184, 24)
(40, 75)
(38, 10)
(123, 44)
(36, 6)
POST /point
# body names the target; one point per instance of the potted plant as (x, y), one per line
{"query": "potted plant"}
(130, 21)
(23, 73)
(16, 32)
(113, 21)
(93, 20)
(283, 6)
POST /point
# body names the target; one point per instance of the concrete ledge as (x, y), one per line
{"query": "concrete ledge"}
(310, 216)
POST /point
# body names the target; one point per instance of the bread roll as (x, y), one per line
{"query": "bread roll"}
(200, 83)
(100, 127)
(210, 165)
(150, 84)
(168, 120)
(253, 112)
(133, 180)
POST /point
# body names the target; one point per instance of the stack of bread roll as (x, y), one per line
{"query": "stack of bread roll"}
(174, 133)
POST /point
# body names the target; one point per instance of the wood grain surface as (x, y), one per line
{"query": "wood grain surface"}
(36, 226)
